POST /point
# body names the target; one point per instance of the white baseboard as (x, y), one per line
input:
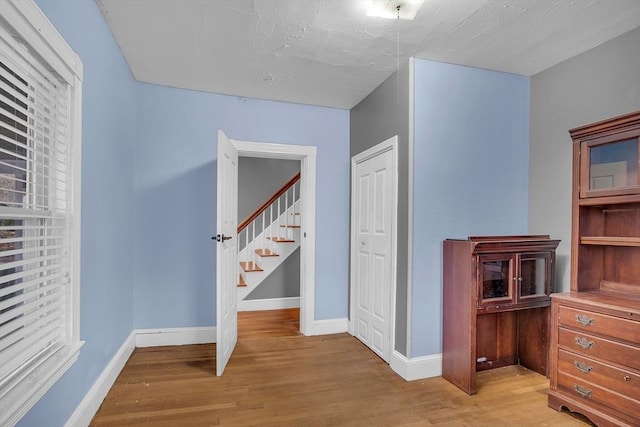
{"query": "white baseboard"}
(417, 367)
(175, 336)
(91, 402)
(329, 326)
(268, 304)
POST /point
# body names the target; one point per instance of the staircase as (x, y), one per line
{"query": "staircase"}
(268, 237)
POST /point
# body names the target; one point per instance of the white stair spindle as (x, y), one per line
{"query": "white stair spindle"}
(270, 235)
(273, 244)
(286, 203)
(295, 208)
(264, 233)
(249, 243)
(293, 204)
(292, 209)
(286, 211)
(253, 242)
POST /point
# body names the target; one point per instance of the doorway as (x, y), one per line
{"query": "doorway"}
(276, 282)
(374, 204)
(307, 157)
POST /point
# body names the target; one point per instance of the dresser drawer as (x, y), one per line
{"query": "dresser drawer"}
(590, 393)
(599, 348)
(602, 324)
(621, 381)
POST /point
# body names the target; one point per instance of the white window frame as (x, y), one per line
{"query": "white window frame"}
(26, 22)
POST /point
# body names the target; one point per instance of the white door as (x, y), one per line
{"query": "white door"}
(226, 253)
(373, 250)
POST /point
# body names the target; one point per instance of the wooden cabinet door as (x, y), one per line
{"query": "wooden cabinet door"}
(495, 287)
(533, 279)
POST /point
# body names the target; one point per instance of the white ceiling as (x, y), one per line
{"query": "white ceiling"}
(329, 53)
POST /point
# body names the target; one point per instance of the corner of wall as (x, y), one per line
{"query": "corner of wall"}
(91, 402)
(418, 367)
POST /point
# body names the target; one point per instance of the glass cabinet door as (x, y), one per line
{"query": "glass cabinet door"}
(495, 279)
(532, 280)
(609, 168)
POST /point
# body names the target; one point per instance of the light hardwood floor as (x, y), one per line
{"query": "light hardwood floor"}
(277, 377)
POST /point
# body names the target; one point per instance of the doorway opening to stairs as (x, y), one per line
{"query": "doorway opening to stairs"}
(304, 212)
(268, 234)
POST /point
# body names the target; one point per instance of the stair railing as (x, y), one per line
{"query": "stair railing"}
(283, 202)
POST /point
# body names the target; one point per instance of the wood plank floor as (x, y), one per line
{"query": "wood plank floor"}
(277, 377)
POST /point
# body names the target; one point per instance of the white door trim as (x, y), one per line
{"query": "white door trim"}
(390, 144)
(410, 169)
(307, 156)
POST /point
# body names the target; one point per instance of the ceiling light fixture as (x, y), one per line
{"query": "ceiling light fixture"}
(394, 9)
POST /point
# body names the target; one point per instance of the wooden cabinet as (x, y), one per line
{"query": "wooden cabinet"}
(496, 305)
(595, 335)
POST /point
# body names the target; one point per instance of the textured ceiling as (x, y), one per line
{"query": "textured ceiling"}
(329, 53)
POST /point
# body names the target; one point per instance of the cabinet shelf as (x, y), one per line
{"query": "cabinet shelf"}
(610, 241)
(610, 200)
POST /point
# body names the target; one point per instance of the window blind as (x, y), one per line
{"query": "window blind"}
(34, 215)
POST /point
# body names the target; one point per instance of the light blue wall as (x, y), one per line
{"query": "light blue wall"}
(108, 132)
(175, 187)
(155, 224)
(471, 154)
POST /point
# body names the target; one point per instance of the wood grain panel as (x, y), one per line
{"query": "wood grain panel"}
(533, 336)
(593, 346)
(594, 393)
(597, 323)
(460, 347)
(619, 380)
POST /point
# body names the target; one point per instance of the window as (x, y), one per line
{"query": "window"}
(40, 88)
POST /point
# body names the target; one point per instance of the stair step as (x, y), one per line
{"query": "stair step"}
(241, 282)
(265, 252)
(249, 266)
(281, 239)
(290, 226)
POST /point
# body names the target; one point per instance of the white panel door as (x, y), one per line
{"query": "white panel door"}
(374, 204)
(226, 253)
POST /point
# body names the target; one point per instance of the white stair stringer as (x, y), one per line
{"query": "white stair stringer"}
(269, 264)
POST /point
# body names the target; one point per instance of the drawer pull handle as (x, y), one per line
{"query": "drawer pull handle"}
(584, 392)
(582, 367)
(584, 320)
(584, 343)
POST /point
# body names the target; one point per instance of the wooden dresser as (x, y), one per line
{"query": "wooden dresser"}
(595, 328)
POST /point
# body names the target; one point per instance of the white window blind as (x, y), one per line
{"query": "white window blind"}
(34, 265)
(37, 269)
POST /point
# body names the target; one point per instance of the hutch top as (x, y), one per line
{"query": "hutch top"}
(605, 247)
